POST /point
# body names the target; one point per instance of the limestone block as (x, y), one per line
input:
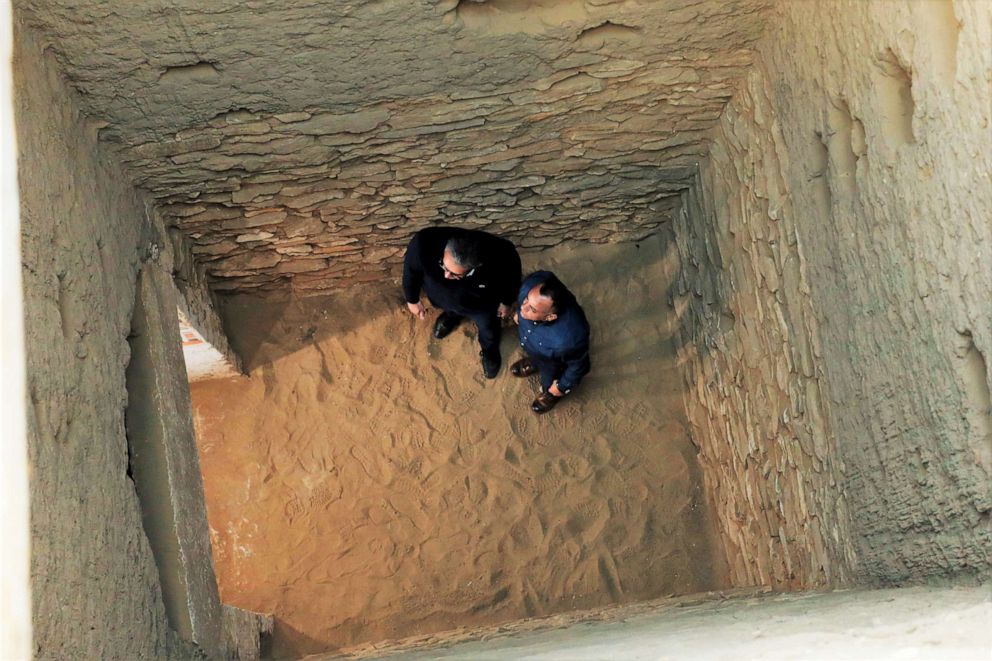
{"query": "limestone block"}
(244, 631)
(356, 122)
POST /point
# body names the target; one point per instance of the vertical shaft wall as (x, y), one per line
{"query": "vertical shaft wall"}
(835, 297)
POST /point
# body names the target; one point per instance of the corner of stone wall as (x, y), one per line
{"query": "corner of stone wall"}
(874, 120)
(748, 349)
(833, 300)
(196, 302)
(245, 632)
(85, 236)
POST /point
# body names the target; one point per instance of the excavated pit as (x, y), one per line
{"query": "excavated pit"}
(781, 241)
(367, 483)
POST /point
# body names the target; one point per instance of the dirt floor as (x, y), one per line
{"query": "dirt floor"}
(366, 482)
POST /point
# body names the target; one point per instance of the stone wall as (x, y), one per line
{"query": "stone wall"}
(751, 358)
(85, 234)
(199, 311)
(15, 589)
(301, 145)
(839, 298)
(164, 464)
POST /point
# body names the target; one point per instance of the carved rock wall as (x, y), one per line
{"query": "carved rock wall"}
(889, 161)
(752, 363)
(299, 145)
(85, 235)
(835, 311)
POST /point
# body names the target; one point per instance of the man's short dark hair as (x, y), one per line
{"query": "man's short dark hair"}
(465, 251)
(561, 298)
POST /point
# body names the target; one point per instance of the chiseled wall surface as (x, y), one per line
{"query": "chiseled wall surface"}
(300, 145)
(165, 464)
(898, 238)
(200, 307)
(95, 586)
(749, 352)
(850, 184)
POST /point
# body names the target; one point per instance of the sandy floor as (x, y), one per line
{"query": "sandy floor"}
(366, 482)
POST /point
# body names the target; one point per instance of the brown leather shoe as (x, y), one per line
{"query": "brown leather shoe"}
(544, 403)
(523, 367)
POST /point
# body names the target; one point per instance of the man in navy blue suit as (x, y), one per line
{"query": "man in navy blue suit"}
(554, 334)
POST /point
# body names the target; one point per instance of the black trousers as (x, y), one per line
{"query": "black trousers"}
(489, 329)
(487, 322)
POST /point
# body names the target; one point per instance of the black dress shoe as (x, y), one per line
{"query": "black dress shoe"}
(544, 403)
(446, 323)
(490, 364)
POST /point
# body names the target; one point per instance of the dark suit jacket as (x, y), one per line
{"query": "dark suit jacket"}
(495, 281)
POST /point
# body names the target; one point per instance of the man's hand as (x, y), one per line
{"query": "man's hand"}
(417, 310)
(503, 312)
(554, 390)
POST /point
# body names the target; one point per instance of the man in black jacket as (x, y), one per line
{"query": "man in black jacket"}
(465, 273)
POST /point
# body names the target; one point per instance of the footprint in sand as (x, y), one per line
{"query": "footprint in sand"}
(324, 494)
(621, 428)
(465, 397)
(520, 426)
(544, 436)
(407, 486)
(599, 453)
(611, 578)
(468, 453)
(549, 483)
(509, 472)
(595, 419)
(629, 458)
(415, 468)
(575, 466)
(434, 443)
(294, 508)
(378, 470)
(588, 520)
(414, 512)
(619, 508)
(568, 418)
(608, 481)
(641, 411)
(378, 354)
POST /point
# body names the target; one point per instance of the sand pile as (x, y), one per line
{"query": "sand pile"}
(366, 481)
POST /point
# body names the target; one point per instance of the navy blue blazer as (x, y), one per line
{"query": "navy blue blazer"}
(560, 347)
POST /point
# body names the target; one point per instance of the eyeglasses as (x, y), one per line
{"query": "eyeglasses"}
(455, 276)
